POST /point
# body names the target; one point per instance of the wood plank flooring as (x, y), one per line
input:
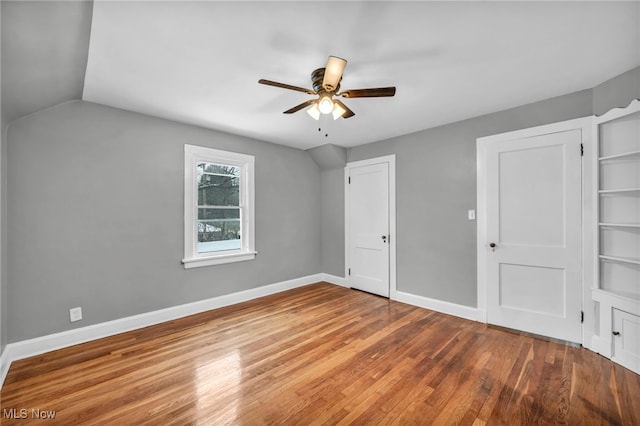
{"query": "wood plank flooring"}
(321, 354)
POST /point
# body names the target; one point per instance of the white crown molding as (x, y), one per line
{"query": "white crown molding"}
(616, 112)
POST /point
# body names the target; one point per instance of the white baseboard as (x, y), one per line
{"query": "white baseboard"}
(333, 279)
(27, 348)
(5, 363)
(462, 311)
(482, 315)
(449, 308)
(601, 346)
(39, 345)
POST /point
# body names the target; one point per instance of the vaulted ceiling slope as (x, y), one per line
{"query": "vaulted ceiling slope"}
(43, 54)
(199, 62)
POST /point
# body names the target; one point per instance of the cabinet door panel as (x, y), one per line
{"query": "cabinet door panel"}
(626, 343)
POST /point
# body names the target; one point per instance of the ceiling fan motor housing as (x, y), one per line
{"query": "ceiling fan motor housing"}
(317, 77)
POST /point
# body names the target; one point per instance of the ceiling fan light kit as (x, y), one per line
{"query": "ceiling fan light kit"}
(314, 111)
(326, 104)
(338, 111)
(326, 83)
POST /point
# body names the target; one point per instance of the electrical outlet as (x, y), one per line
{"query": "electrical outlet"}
(75, 314)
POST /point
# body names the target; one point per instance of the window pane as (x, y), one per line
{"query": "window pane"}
(218, 230)
(218, 190)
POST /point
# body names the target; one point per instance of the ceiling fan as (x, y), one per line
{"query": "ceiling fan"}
(326, 83)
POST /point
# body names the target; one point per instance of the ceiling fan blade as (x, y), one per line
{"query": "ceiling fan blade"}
(286, 86)
(369, 93)
(301, 106)
(348, 113)
(333, 73)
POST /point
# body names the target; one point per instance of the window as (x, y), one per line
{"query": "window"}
(218, 207)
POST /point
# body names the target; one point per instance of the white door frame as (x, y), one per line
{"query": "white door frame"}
(585, 125)
(391, 160)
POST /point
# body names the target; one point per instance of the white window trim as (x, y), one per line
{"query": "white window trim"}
(196, 154)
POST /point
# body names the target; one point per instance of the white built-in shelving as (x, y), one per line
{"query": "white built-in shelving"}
(617, 269)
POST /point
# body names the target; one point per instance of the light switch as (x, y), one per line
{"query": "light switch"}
(472, 214)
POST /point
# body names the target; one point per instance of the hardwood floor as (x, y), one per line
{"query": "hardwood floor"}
(321, 354)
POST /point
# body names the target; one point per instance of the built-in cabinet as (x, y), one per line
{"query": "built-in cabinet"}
(617, 235)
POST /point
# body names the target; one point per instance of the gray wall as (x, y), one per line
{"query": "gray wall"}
(436, 185)
(44, 47)
(331, 160)
(617, 92)
(94, 211)
(108, 269)
(332, 216)
(95, 217)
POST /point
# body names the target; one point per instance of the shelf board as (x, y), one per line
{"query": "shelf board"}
(602, 294)
(632, 155)
(631, 260)
(619, 191)
(619, 225)
(625, 294)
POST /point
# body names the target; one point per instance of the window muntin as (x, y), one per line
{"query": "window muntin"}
(218, 206)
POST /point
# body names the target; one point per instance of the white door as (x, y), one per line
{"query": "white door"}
(533, 208)
(367, 198)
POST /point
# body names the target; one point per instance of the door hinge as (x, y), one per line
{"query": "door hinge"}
(349, 179)
(349, 271)
(581, 316)
(582, 150)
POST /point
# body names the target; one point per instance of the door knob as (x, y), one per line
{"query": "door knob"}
(492, 245)
(384, 238)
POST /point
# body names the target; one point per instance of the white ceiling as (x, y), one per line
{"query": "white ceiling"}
(199, 62)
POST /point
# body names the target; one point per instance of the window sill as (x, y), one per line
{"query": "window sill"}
(196, 262)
